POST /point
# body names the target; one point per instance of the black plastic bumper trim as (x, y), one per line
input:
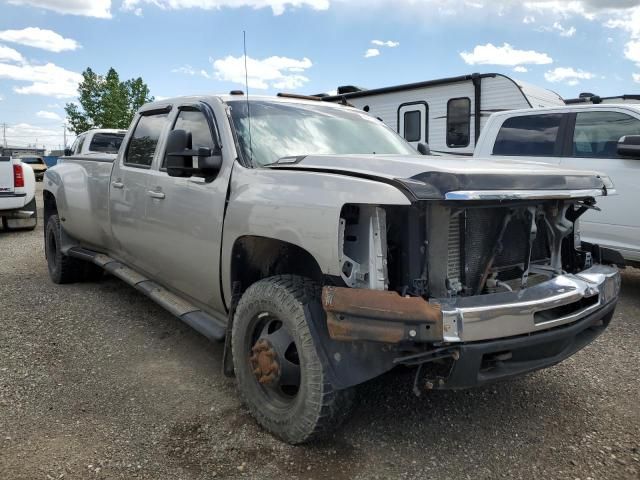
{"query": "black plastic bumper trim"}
(528, 353)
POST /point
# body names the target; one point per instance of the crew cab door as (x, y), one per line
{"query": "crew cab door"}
(128, 190)
(592, 145)
(413, 122)
(184, 216)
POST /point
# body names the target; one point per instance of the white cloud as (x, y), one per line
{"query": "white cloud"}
(48, 79)
(632, 51)
(87, 8)
(567, 75)
(53, 105)
(1, 98)
(271, 72)
(277, 6)
(564, 32)
(48, 115)
(528, 19)
(185, 69)
(189, 70)
(636, 77)
(39, 38)
(388, 43)
(10, 55)
(23, 134)
(371, 52)
(506, 55)
(520, 69)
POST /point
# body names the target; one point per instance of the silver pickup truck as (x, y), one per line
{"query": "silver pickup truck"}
(325, 251)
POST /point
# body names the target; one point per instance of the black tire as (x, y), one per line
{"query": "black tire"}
(22, 224)
(62, 268)
(315, 408)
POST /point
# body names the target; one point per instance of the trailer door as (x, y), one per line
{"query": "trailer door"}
(413, 122)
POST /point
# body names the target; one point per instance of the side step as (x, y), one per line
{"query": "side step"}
(200, 321)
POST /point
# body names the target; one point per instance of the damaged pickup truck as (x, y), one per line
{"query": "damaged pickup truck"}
(326, 252)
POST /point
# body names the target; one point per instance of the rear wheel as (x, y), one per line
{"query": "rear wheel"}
(280, 376)
(15, 224)
(62, 268)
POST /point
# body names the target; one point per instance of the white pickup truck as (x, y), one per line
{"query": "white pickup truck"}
(17, 195)
(604, 137)
(97, 142)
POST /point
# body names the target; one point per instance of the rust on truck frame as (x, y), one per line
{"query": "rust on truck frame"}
(379, 315)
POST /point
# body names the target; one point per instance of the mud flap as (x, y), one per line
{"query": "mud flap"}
(227, 358)
(348, 363)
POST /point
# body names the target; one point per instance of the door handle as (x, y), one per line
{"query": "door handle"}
(117, 184)
(155, 194)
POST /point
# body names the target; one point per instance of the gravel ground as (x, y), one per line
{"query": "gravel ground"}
(96, 381)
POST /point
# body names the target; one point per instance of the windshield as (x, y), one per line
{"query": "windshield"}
(106, 142)
(281, 129)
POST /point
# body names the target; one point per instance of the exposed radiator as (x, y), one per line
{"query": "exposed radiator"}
(472, 236)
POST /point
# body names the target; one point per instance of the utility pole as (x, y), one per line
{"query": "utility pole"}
(4, 135)
(65, 135)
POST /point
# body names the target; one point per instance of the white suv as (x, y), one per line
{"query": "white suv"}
(605, 138)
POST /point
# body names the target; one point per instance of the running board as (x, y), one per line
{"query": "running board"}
(200, 321)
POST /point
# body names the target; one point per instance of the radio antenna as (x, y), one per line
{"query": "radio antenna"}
(246, 85)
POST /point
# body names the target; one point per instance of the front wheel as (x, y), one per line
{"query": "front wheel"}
(280, 376)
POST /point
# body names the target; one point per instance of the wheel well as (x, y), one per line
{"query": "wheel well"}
(254, 258)
(50, 205)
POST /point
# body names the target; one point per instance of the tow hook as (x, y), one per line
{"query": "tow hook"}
(422, 358)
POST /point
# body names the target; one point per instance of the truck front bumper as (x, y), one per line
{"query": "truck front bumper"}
(383, 316)
(485, 362)
(470, 341)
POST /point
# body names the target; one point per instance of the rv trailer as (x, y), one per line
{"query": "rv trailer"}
(447, 114)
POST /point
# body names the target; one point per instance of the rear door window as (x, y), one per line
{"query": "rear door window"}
(144, 140)
(458, 122)
(529, 135)
(596, 134)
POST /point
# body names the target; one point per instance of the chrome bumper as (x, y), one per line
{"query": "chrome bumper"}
(534, 309)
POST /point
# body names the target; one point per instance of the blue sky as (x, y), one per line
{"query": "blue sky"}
(309, 46)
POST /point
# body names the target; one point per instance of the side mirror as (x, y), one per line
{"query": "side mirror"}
(68, 152)
(424, 149)
(629, 146)
(179, 157)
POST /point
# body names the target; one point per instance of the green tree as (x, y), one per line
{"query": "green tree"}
(105, 101)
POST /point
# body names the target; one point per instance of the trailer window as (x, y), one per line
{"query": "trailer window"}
(458, 122)
(412, 121)
(143, 143)
(529, 135)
